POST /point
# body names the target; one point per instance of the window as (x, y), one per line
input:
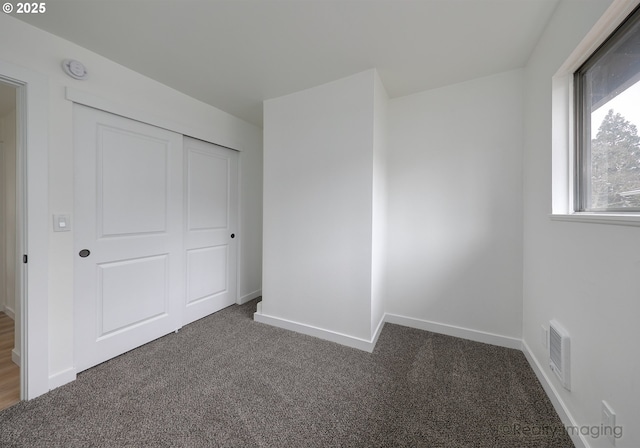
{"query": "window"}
(607, 159)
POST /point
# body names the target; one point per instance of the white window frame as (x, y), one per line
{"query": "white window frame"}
(563, 123)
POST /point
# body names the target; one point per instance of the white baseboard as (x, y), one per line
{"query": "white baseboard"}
(563, 412)
(62, 378)
(451, 330)
(15, 357)
(9, 312)
(368, 346)
(248, 297)
(376, 334)
(327, 335)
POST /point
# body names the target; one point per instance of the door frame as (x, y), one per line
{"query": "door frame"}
(32, 160)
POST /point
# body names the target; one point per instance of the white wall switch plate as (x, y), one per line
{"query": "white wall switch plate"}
(61, 223)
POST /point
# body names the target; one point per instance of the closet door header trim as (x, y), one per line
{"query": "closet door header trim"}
(96, 102)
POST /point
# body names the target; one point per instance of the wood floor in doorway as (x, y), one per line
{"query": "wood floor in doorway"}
(9, 372)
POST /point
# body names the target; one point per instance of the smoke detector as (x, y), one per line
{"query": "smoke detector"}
(75, 69)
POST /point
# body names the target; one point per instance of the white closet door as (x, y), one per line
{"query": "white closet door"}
(129, 268)
(211, 182)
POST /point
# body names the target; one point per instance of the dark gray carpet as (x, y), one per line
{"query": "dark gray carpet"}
(231, 382)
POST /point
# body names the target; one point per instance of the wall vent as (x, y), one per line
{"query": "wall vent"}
(559, 353)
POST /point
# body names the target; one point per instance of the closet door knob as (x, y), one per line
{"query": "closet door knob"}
(84, 253)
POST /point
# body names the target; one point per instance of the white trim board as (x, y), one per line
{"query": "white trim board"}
(561, 409)
(598, 218)
(96, 102)
(33, 230)
(249, 297)
(452, 330)
(320, 333)
(9, 312)
(61, 378)
(15, 357)
(376, 333)
(369, 346)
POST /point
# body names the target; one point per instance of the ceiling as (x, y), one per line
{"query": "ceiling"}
(233, 54)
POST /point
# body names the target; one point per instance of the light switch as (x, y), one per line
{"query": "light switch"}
(61, 223)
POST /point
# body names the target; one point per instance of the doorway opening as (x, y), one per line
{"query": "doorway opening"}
(31, 262)
(10, 300)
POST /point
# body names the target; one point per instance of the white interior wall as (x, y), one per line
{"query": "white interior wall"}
(455, 212)
(318, 173)
(380, 205)
(586, 276)
(446, 205)
(43, 53)
(8, 234)
(250, 221)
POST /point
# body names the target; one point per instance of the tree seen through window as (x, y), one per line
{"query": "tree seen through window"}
(615, 164)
